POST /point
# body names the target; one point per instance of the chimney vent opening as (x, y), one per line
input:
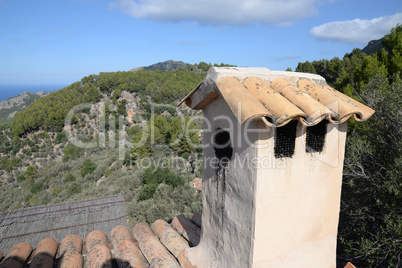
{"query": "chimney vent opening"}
(222, 146)
(315, 137)
(285, 138)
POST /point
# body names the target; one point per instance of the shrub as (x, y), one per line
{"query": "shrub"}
(185, 155)
(159, 175)
(69, 178)
(108, 172)
(147, 192)
(73, 189)
(87, 167)
(21, 178)
(31, 172)
(60, 137)
(174, 179)
(71, 151)
(37, 187)
(56, 190)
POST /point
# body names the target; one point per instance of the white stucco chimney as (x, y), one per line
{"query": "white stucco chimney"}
(273, 158)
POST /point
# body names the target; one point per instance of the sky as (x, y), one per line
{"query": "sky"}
(61, 41)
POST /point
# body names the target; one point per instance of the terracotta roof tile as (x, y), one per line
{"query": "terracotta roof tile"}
(276, 97)
(71, 243)
(47, 245)
(17, 256)
(71, 259)
(99, 257)
(120, 233)
(128, 255)
(169, 237)
(349, 265)
(156, 254)
(94, 238)
(70, 252)
(187, 229)
(168, 251)
(44, 253)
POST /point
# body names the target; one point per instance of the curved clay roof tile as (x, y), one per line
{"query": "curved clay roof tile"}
(44, 253)
(94, 238)
(120, 233)
(70, 252)
(17, 256)
(127, 254)
(71, 243)
(174, 242)
(71, 259)
(187, 229)
(99, 256)
(152, 248)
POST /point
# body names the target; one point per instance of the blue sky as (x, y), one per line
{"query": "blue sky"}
(61, 41)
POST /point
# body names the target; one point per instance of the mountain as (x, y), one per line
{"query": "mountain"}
(162, 66)
(373, 46)
(9, 107)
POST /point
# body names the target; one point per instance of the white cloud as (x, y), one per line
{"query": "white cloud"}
(356, 31)
(222, 12)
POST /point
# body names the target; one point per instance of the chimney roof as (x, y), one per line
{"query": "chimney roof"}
(276, 97)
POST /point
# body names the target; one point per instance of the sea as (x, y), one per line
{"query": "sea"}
(8, 91)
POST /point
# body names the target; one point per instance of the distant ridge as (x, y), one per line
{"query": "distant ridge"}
(168, 65)
(373, 46)
(9, 107)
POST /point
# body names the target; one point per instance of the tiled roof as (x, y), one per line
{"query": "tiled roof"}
(31, 225)
(276, 97)
(162, 245)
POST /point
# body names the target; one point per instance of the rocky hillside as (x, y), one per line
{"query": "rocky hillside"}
(48, 166)
(8, 108)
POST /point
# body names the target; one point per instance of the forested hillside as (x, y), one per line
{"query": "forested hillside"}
(370, 229)
(39, 165)
(169, 65)
(48, 113)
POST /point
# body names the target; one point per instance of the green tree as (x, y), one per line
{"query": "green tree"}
(393, 47)
(306, 67)
(371, 215)
(370, 67)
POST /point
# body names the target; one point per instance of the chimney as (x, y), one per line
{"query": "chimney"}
(273, 146)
